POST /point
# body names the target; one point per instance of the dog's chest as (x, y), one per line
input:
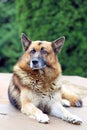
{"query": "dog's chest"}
(40, 83)
(35, 81)
(41, 92)
(44, 90)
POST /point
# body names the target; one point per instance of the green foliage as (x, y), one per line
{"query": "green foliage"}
(45, 20)
(9, 47)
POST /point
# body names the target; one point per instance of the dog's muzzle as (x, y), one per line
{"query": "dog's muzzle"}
(37, 63)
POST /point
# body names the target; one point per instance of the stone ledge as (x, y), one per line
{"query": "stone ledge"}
(12, 119)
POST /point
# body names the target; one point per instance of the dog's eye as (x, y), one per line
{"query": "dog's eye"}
(43, 51)
(32, 51)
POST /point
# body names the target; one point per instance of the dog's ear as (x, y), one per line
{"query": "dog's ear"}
(58, 44)
(25, 41)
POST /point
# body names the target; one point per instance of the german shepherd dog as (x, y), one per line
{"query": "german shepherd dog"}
(36, 85)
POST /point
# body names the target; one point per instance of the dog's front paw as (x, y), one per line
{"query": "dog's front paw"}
(73, 119)
(43, 118)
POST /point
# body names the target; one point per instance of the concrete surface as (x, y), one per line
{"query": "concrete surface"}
(12, 119)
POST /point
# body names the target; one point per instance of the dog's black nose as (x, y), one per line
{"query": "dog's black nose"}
(35, 62)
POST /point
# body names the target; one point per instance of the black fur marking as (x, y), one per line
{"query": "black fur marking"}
(79, 103)
(39, 43)
(13, 101)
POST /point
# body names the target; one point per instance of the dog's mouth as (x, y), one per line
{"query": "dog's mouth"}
(36, 67)
(37, 63)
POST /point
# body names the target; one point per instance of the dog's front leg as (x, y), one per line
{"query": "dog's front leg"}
(59, 111)
(27, 107)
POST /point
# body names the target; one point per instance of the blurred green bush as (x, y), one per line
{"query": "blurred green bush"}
(45, 20)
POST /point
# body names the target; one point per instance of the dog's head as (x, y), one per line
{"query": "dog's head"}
(41, 54)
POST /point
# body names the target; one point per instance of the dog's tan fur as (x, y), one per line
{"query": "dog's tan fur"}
(39, 91)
